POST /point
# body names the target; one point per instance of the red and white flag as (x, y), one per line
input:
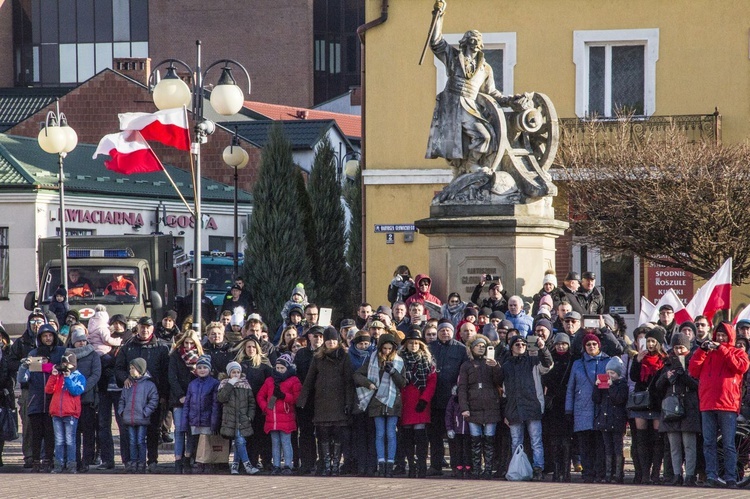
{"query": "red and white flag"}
(744, 314)
(647, 310)
(170, 126)
(715, 295)
(681, 313)
(130, 153)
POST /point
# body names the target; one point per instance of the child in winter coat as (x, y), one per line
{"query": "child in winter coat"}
(138, 401)
(277, 399)
(458, 434)
(611, 416)
(201, 411)
(100, 336)
(299, 297)
(238, 411)
(66, 386)
(59, 304)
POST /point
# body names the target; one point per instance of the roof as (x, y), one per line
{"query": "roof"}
(24, 165)
(350, 124)
(303, 134)
(17, 104)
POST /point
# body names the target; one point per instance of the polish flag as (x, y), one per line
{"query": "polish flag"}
(744, 314)
(647, 310)
(169, 126)
(681, 313)
(130, 153)
(715, 295)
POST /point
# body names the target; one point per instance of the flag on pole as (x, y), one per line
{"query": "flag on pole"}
(647, 310)
(169, 126)
(743, 315)
(130, 153)
(681, 313)
(715, 295)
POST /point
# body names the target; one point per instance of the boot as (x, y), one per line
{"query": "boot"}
(187, 465)
(657, 454)
(476, 456)
(326, 457)
(690, 481)
(676, 480)
(421, 443)
(336, 459)
(609, 460)
(46, 465)
(58, 467)
(142, 468)
(489, 456)
(644, 455)
(389, 470)
(178, 465)
(381, 469)
(36, 467)
(234, 468)
(322, 453)
(566, 462)
(619, 476)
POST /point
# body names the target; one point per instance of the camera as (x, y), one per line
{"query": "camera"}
(62, 368)
(591, 322)
(490, 277)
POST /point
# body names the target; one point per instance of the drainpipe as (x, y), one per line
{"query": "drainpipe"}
(363, 161)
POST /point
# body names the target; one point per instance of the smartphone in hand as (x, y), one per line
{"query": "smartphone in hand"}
(603, 381)
(490, 353)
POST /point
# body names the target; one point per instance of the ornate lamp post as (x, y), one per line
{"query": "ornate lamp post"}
(227, 99)
(56, 137)
(237, 158)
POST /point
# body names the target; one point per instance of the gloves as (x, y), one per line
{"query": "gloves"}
(278, 393)
(233, 381)
(388, 366)
(421, 405)
(451, 434)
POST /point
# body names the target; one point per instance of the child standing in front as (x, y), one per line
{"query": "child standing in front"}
(66, 386)
(138, 401)
(459, 437)
(277, 399)
(201, 410)
(610, 417)
(238, 410)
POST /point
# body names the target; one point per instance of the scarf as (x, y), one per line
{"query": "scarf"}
(650, 365)
(454, 312)
(416, 369)
(190, 357)
(357, 356)
(385, 389)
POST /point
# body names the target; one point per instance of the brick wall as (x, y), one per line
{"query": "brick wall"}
(92, 110)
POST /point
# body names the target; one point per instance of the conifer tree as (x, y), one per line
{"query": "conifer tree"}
(353, 197)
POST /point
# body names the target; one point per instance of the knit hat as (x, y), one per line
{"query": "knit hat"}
(60, 291)
(387, 338)
(515, 339)
(139, 364)
(74, 314)
(70, 358)
(361, 336)
(237, 318)
(299, 289)
(478, 339)
(546, 300)
(285, 360)
(497, 315)
(170, 314)
(658, 333)
(561, 338)
(232, 366)
(544, 313)
(490, 331)
(446, 324)
(486, 311)
(51, 317)
(615, 364)
(204, 360)
(505, 324)
(384, 309)
(545, 324)
(591, 337)
(471, 311)
(550, 278)
(118, 318)
(78, 334)
(330, 333)
(296, 309)
(680, 339)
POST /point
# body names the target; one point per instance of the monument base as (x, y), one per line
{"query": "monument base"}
(516, 242)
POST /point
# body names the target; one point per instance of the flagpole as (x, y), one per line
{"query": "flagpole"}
(164, 169)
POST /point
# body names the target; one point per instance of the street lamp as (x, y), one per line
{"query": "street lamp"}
(237, 158)
(56, 137)
(226, 99)
(347, 164)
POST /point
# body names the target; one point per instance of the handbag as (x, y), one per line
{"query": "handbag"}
(212, 449)
(672, 408)
(8, 423)
(639, 401)
(519, 469)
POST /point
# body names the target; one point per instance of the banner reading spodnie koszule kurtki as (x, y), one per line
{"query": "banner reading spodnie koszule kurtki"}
(660, 278)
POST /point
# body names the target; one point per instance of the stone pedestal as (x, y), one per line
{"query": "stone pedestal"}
(514, 241)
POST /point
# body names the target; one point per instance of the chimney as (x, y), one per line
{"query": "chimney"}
(133, 67)
(302, 114)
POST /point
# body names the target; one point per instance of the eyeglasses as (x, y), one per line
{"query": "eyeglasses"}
(571, 320)
(519, 344)
(592, 344)
(38, 321)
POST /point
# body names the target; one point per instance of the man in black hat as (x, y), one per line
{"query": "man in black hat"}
(146, 345)
(568, 291)
(235, 298)
(590, 297)
(302, 361)
(666, 320)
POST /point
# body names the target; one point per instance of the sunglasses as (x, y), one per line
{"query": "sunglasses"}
(592, 344)
(572, 320)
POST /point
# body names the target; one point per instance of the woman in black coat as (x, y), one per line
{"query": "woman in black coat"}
(683, 432)
(256, 368)
(557, 430)
(182, 361)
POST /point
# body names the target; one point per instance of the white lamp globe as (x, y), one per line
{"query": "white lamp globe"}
(71, 138)
(52, 139)
(171, 92)
(235, 156)
(226, 97)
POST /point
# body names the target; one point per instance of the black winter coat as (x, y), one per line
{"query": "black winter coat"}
(592, 303)
(256, 376)
(156, 354)
(330, 381)
(477, 391)
(90, 366)
(686, 387)
(180, 376)
(610, 413)
(556, 383)
(521, 377)
(220, 355)
(448, 357)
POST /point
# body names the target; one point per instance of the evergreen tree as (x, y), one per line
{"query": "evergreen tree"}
(330, 272)
(353, 197)
(308, 228)
(275, 259)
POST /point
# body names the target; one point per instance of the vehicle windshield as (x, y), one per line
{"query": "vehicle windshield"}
(218, 277)
(99, 284)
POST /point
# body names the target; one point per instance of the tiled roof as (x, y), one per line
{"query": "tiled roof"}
(350, 124)
(17, 104)
(303, 134)
(23, 164)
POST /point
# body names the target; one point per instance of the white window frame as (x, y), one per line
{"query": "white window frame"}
(492, 41)
(582, 40)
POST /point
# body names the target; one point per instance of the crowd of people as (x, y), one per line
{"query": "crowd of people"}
(381, 394)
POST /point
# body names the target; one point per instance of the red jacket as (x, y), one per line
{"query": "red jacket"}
(410, 396)
(719, 373)
(421, 297)
(66, 394)
(283, 416)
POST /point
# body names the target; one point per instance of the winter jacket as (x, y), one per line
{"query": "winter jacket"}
(256, 376)
(38, 401)
(237, 407)
(521, 377)
(521, 321)
(168, 335)
(180, 377)
(138, 402)
(60, 309)
(500, 305)
(376, 407)
(555, 382)
(581, 386)
(20, 349)
(610, 345)
(448, 358)
(100, 336)
(477, 391)
(454, 421)
(538, 298)
(591, 303)
(648, 385)
(66, 394)
(610, 413)
(201, 406)
(563, 292)
(421, 297)
(156, 354)
(282, 416)
(90, 366)
(686, 387)
(220, 355)
(720, 373)
(410, 397)
(330, 381)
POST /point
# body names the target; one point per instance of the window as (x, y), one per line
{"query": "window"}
(4, 264)
(615, 70)
(499, 52)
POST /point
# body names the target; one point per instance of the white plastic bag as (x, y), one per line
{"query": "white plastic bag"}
(519, 469)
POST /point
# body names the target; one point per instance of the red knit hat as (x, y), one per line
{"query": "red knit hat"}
(591, 337)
